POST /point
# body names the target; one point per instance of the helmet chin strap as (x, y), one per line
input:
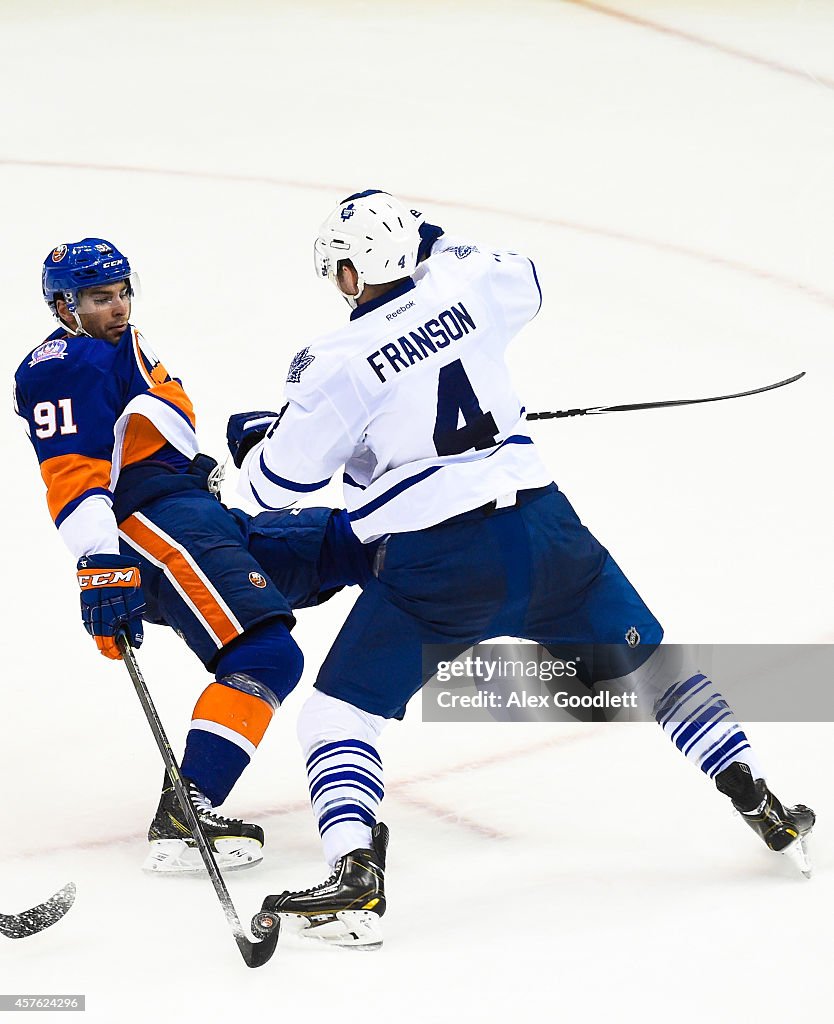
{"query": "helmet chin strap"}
(351, 300)
(79, 330)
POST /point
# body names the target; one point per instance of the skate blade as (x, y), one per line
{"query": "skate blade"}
(176, 857)
(798, 854)
(350, 929)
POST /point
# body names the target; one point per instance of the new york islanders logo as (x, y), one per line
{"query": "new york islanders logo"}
(300, 361)
(257, 580)
(58, 253)
(55, 349)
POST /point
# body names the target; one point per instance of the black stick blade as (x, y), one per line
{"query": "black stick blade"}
(256, 954)
(694, 401)
(598, 410)
(30, 922)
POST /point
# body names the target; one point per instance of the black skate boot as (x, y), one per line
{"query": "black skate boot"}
(783, 829)
(344, 910)
(237, 844)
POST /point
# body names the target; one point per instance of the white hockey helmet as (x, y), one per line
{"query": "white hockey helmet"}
(376, 233)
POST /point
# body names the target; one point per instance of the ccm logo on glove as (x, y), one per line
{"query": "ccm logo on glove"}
(114, 578)
(111, 601)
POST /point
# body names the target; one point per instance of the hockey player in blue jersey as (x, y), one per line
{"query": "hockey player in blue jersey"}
(473, 539)
(133, 499)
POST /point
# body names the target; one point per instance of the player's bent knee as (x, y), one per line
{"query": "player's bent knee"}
(323, 719)
(667, 665)
(265, 657)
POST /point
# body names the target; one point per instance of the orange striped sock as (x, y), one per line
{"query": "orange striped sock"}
(226, 727)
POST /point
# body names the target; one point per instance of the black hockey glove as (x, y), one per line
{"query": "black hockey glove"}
(429, 234)
(245, 430)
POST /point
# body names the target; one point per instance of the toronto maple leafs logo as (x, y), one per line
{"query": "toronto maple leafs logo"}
(300, 361)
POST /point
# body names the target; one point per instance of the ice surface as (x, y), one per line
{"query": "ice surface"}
(677, 200)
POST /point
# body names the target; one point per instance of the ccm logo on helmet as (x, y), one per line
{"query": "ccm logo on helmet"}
(109, 578)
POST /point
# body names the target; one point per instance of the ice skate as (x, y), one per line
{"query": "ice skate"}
(783, 829)
(345, 909)
(237, 844)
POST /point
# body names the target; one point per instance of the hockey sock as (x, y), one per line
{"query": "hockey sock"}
(346, 788)
(344, 771)
(699, 721)
(226, 728)
(254, 674)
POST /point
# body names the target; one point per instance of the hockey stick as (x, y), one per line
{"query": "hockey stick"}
(255, 954)
(597, 410)
(30, 922)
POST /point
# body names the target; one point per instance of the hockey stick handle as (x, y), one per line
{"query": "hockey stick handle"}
(254, 953)
(597, 410)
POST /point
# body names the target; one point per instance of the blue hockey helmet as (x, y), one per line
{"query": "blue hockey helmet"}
(71, 267)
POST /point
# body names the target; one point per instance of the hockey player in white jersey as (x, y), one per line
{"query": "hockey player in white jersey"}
(473, 539)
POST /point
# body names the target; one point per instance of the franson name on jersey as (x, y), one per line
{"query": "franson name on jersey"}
(435, 334)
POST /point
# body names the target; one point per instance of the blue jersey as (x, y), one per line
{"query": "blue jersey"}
(92, 408)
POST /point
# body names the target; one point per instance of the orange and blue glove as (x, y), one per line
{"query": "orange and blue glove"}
(111, 601)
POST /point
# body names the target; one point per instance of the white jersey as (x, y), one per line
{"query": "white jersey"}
(413, 398)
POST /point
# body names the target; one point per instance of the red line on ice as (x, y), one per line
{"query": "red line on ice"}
(450, 816)
(709, 44)
(826, 298)
(398, 788)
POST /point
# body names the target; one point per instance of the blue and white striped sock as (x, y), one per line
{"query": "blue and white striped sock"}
(701, 724)
(346, 788)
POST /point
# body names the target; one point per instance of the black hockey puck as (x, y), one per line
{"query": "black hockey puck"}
(263, 924)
